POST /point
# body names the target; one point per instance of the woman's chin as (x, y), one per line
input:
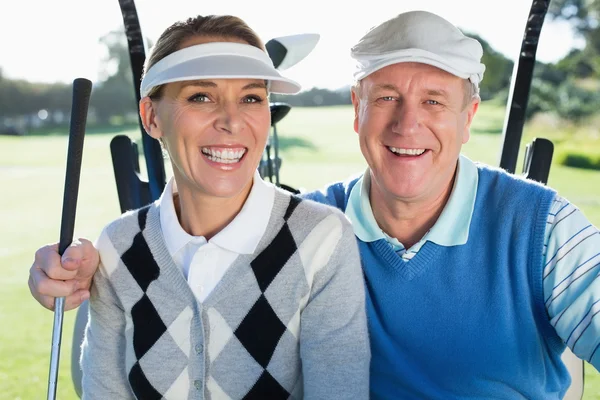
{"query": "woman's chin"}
(227, 187)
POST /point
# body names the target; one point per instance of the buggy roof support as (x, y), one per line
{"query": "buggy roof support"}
(152, 152)
(521, 85)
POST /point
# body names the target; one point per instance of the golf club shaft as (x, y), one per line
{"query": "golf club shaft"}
(81, 96)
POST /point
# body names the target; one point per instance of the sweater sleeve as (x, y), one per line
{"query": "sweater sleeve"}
(103, 349)
(332, 195)
(334, 343)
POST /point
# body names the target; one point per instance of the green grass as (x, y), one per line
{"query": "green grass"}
(318, 146)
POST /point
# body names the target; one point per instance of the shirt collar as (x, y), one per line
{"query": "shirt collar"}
(243, 234)
(175, 237)
(451, 228)
(359, 212)
(236, 236)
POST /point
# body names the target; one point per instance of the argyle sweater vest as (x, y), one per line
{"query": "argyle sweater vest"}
(286, 322)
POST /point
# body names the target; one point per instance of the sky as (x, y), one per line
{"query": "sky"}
(57, 40)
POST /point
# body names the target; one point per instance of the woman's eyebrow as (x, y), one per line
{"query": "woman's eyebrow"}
(255, 85)
(200, 84)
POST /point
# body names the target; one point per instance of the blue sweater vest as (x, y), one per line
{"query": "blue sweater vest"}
(465, 322)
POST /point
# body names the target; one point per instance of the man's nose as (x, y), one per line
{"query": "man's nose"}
(406, 120)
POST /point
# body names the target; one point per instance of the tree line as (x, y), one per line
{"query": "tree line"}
(568, 87)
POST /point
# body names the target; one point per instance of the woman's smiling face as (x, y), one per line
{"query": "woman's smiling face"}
(215, 130)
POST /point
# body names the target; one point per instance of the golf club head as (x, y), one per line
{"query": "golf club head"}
(279, 111)
(287, 51)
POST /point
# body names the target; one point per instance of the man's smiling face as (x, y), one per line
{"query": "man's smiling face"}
(412, 120)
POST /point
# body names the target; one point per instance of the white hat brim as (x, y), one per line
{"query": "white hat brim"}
(217, 61)
(224, 67)
(378, 62)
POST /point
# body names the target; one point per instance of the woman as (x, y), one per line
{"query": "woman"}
(225, 287)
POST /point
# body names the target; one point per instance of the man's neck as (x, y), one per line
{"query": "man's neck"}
(408, 221)
(203, 215)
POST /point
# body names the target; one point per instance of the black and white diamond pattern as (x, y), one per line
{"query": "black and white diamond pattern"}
(140, 385)
(267, 387)
(244, 336)
(261, 329)
(246, 329)
(148, 327)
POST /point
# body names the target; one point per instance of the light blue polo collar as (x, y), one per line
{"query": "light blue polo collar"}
(451, 228)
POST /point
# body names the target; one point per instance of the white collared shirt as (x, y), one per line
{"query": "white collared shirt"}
(204, 263)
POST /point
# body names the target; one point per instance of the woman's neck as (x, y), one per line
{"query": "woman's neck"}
(202, 215)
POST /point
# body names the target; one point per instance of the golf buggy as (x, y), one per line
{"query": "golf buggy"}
(135, 192)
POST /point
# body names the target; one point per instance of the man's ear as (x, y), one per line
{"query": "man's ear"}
(149, 118)
(355, 103)
(471, 111)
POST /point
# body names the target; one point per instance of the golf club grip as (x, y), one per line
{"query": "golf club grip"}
(82, 89)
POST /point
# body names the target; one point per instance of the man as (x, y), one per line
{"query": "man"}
(476, 279)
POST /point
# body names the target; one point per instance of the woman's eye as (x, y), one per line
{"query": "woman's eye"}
(199, 98)
(252, 99)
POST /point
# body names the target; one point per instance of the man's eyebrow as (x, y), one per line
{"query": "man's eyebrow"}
(437, 92)
(386, 86)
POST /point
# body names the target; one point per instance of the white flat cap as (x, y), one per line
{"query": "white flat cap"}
(421, 37)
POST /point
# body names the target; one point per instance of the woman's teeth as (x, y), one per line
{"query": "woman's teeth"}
(225, 156)
(408, 152)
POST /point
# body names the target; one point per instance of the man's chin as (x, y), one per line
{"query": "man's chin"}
(406, 191)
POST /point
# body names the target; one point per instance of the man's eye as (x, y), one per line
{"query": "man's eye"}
(433, 102)
(199, 98)
(388, 98)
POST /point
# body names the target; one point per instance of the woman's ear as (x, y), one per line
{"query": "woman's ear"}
(149, 118)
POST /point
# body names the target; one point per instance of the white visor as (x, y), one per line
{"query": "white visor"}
(217, 60)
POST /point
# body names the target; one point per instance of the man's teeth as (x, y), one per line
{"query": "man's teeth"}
(226, 156)
(409, 152)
